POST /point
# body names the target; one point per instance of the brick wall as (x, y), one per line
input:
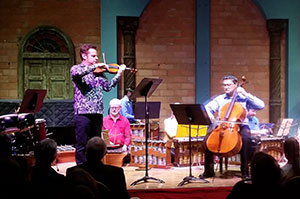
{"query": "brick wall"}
(240, 46)
(165, 43)
(80, 20)
(165, 48)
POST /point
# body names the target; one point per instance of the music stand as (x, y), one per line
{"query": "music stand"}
(191, 114)
(32, 100)
(146, 87)
(153, 107)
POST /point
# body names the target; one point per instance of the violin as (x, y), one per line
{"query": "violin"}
(112, 68)
(225, 140)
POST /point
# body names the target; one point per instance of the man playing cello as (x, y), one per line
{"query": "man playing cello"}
(232, 90)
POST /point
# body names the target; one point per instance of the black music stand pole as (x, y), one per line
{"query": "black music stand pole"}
(190, 114)
(145, 89)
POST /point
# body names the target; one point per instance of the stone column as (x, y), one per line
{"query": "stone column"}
(275, 28)
(129, 26)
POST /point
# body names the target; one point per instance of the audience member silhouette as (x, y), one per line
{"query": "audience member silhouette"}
(45, 181)
(264, 182)
(5, 146)
(113, 177)
(291, 152)
(13, 171)
(290, 189)
(85, 185)
(13, 184)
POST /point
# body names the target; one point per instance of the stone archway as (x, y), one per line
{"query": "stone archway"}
(45, 57)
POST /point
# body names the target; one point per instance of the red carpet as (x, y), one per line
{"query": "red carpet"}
(180, 193)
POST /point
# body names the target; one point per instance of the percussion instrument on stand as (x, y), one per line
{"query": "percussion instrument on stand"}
(26, 121)
(9, 123)
(23, 130)
(40, 129)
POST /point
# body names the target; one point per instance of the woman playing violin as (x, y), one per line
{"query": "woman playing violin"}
(88, 97)
(231, 88)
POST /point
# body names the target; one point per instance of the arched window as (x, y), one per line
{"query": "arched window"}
(46, 41)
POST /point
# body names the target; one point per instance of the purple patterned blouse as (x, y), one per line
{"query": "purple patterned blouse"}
(88, 94)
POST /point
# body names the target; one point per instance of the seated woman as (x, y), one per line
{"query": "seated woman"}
(291, 152)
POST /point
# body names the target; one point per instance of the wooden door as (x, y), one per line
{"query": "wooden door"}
(45, 58)
(51, 74)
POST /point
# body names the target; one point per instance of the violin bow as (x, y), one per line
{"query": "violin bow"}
(104, 60)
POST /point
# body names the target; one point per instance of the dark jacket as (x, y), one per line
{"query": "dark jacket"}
(113, 177)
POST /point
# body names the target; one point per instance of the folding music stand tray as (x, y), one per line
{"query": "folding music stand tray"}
(145, 89)
(191, 114)
(32, 100)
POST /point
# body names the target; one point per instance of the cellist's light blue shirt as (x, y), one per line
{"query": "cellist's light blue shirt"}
(249, 101)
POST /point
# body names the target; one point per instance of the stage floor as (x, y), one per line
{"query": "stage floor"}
(171, 176)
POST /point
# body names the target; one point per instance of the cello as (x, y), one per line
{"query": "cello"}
(225, 140)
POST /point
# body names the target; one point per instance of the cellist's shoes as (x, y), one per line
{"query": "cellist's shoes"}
(207, 175)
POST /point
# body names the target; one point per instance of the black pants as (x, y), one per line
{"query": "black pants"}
(245, 153)
(86, 127)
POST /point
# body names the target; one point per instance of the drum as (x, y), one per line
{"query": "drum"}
(9, 123)
(41, 129)
(26, 121)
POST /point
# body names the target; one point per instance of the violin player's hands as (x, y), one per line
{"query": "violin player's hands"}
(242, 91)
(122, 67)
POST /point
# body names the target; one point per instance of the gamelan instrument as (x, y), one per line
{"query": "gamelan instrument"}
(225, 140)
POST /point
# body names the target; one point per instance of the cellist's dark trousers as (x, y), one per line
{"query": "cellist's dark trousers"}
(245, 153)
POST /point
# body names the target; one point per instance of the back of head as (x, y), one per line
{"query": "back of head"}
(291, 148)
(45, 151)
(10, 172)
(82, 191)
(291, 152)
(12, 179)
(78, 176)
(84, 183)
(265, 170)
(290, 188)
(95, 149)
